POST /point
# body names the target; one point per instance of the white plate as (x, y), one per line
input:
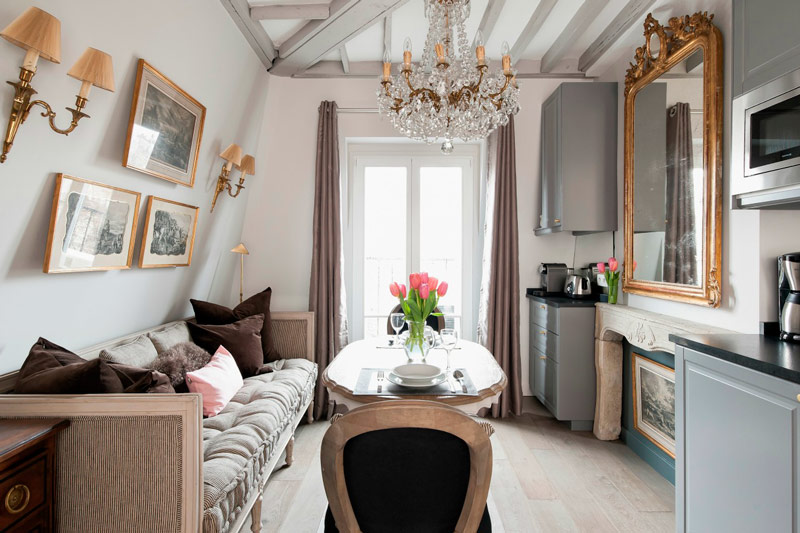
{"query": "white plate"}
(416, 383)
(417, 371)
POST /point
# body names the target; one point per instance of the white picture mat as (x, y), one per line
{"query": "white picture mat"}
(61, 261)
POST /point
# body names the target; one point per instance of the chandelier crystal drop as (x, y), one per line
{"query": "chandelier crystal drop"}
(451, 93)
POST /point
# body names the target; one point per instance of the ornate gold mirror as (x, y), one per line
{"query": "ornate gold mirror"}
(673, 165)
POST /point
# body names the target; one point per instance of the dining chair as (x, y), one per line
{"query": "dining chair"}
(436, 322)
(406, 465)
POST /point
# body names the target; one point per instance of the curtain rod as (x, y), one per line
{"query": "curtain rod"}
(357, 109)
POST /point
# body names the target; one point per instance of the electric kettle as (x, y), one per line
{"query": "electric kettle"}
(578, 285)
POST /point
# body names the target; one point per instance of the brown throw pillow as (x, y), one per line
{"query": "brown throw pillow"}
(175, 362)
(215, 314)
(242, 339)
(51, 369)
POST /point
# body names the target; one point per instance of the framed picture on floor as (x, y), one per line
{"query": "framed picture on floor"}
(654, 402)
(92, 226)
(169, 231)
(164, 130)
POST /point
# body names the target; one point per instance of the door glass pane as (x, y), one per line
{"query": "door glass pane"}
(384, 242)
(441, 234)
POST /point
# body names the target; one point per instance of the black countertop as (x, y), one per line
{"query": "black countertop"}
(765, 354)
(561, 301)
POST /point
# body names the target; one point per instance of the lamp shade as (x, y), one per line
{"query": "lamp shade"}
(36, 30)
(240, 249)
(232, 153)
(95, 67)
(248, 164)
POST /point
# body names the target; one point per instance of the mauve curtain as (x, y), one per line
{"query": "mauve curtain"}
(326, 291)
(501, 307)
(680, 248)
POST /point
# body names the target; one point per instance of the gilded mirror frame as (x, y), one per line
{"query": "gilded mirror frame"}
(678, 40)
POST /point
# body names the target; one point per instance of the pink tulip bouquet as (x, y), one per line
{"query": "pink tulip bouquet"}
(418, 303)
(612, 277)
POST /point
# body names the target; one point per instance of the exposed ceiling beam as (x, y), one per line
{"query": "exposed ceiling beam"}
(630, 15)
(532, 28)
(345, 59)
(290, 11)
(254, 32)
(576, 26)
(527, 69)
(387, 35)
(489, 19)
(347, 19)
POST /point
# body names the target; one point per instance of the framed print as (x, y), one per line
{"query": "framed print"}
(169, 231)
(92, 226)
(164, 130)
(654, 402)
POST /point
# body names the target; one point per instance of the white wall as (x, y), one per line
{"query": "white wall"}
(201, 50)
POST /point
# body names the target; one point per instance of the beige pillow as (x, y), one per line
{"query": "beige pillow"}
(139, 352)
(167, 338)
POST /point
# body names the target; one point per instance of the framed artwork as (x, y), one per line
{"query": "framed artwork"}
(164, 130)
(169, 231)
(92, 226)
(654, 402)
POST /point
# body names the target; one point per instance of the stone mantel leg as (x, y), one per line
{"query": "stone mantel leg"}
(608, 405)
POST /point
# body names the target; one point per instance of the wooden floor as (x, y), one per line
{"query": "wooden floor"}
(545, 479)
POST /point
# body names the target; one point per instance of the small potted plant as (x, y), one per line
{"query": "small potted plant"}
(418, 304)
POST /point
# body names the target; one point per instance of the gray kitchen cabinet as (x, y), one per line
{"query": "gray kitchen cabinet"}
(737, 438)
(766, 41)
(578, 167)
(562, 372)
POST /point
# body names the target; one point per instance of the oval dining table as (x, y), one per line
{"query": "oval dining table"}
(341, 375)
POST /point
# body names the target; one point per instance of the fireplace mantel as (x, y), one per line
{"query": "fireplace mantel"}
(643, 329)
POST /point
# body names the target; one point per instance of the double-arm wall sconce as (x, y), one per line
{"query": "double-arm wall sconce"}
(233, 158)
(39, 33)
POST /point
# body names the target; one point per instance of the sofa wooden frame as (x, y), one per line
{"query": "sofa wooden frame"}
(185, 410)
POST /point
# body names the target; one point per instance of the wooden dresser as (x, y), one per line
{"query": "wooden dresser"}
(27, 473)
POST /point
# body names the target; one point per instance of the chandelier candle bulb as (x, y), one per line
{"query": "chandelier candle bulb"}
(440, 53)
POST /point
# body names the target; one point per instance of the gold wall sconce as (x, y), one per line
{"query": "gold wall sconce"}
(39, 33)
(233, 158)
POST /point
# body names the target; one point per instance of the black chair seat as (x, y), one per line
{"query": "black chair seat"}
(485, 527)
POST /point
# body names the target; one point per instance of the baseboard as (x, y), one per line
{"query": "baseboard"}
(642, 447)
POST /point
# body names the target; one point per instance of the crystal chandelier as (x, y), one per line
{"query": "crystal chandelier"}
(449, 94)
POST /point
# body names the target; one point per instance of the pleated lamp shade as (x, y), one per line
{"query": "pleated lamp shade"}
(232, 153)
(36, 30)
(95, 67)
(248, 164)
(241, 249)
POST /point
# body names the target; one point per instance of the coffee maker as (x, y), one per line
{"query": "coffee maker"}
(789, 296)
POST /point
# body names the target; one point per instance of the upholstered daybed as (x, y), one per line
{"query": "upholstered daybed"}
(151, 463)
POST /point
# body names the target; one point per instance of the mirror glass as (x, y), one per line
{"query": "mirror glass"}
(668, 176)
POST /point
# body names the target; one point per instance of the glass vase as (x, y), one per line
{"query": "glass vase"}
(613, 290)
(418, 342)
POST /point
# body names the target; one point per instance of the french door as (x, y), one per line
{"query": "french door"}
(411, 214)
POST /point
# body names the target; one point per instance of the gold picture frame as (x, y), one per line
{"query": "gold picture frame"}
(95, 225)
(645, 421)
(165, 128)
(169, 231)
(680, 38)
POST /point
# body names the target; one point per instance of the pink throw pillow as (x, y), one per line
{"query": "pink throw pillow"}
(218, 381)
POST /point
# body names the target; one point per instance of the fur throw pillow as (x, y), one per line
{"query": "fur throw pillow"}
(178, 360)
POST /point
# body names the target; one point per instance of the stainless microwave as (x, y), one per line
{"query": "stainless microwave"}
(765, 165)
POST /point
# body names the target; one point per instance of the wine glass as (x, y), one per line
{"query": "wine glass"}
(449, 340)
(397, 320)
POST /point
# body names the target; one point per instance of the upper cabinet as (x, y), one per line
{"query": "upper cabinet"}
(579, 159)
(766, 41)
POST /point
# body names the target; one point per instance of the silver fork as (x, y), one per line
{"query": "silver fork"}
(380, 381)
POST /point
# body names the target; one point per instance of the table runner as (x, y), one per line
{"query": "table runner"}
(367, 385)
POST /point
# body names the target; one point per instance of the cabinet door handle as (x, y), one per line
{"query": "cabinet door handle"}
(542, 307)
(17, 499)
(542, 357)
(543, 332)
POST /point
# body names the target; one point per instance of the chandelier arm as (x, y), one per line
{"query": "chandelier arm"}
(501, 91)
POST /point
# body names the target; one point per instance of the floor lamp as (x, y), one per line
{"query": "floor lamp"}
(241, 249)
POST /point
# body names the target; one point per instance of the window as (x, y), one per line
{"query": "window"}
(410, 210)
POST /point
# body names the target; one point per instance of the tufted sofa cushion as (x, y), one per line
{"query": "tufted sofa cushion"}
(240, 440)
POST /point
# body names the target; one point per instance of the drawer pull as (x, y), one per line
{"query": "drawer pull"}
(557, 221)
(798, 397)
(543, 332)
(17, 499)
(542, 357)
(542, 307)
